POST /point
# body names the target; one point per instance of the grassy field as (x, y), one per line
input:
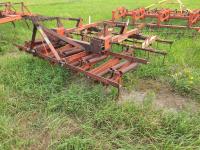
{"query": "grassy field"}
(47, 107)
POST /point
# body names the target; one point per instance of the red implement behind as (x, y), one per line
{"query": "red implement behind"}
(10, 12)
(163, 17)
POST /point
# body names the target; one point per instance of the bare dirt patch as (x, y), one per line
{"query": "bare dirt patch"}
(161, 94)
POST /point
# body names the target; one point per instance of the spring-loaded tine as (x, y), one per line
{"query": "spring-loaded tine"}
(13, 24)
(164, 59)
(27, 24)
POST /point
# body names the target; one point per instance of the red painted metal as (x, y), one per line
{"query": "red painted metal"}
(163, 16)
(10, 12)
(91, 51)
(138, 14)
(119, 12)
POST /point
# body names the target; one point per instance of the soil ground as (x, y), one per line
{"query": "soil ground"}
(162, 96)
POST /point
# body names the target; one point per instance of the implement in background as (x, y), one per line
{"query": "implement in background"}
(10, 12)
(163, 17)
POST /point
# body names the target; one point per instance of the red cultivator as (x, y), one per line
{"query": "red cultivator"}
(10, 12)
(162, 16)
(88, 49)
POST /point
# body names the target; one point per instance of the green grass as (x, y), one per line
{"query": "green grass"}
(45, 106)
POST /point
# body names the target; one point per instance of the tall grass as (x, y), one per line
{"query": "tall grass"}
(43, 106)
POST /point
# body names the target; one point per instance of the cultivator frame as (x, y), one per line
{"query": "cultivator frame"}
(91, 51)
(9, 12)
(162, 16)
